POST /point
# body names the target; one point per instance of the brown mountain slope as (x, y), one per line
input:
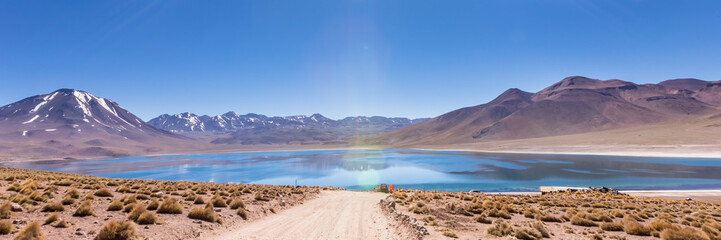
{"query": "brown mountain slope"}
(459, 125)
(711, 93)
(573, 105)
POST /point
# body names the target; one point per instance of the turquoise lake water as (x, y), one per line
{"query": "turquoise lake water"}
(430, 170)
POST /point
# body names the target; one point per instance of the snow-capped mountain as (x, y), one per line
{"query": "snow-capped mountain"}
(72, 121)
(231, 122)
(68, 109)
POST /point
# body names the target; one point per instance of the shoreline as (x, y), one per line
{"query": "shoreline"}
(712, 155)
(703, 195)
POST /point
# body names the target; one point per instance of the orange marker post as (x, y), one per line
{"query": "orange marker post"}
(390, 189)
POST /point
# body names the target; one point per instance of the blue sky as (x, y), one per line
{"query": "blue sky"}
(341, 58)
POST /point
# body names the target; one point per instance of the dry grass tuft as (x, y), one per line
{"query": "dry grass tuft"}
(116, 205)
(205, 214)
(686, 233)
(103, 192)
(85, 209)
(217, 201)
(61, 224)
(5, 227)
(67, 201)
(6, 210)
(72, 193)
(541, 228)
(114, 230)
(500, 228)
(631, 226)
(30, 232)
(237, 203)
(527, 234)
(242, 213)
(153, 205)
(579, 221)
(53, 207)
(449, 233)
(147, 218)
(52, 218)
(612, 226)
(138, 210)
(170, 206)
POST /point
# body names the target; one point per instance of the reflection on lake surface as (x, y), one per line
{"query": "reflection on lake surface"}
(432, 170)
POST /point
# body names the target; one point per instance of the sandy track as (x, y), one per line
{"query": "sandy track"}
(334, 215)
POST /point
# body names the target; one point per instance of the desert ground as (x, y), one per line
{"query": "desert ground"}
(334, 215)
(67, 206)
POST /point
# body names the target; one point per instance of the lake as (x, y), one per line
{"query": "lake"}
(405, 168)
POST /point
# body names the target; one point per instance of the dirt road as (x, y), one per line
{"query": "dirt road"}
(334, 215)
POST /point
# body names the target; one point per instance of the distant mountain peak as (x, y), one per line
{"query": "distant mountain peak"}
(512, 94)
(67, 115)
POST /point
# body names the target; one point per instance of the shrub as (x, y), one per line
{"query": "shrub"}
(30, 232)
(659, 224)
(129, 200)
(153, 205)
(85, 209)
(129, 207)
(631, 226)
(237, 203)
(449, 233)
(242, 213)
(541, 229)
(259, 197)
(147, 218)
(67, 201)
(483, 219)
(5, 227)
(686, 233)
(527, 234)
(170, 206)
(53, 207)
(500, 228)
(116, 205)
(116, 231)
(136, 212)
(52, 218)
(6, 210)
(61, 224)
(579, 221)
(205, 214)
(499, 214)
(103, 192)
(612, 226)
(72, 193)
(198, 200)
(548, 218)
(218, 202)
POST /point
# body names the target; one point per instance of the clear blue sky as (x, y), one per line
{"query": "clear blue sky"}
(339, 58)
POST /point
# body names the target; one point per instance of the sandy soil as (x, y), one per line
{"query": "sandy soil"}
(713, 196)
(455, 215)
(168, 226)
(334, 215)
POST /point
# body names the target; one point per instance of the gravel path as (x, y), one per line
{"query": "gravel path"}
(334, 215)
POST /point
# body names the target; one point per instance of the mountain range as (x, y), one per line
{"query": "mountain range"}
(260, 129)
(73, 123)
(573, 105)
